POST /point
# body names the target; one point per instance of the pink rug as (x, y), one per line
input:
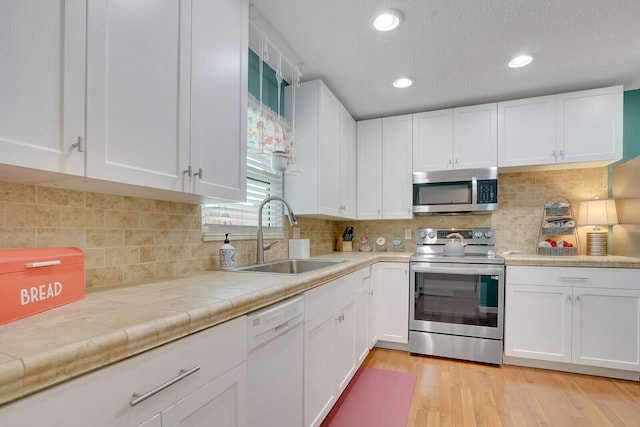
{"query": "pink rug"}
(373, 398)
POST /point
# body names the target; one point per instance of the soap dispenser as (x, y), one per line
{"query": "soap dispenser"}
(227, 255)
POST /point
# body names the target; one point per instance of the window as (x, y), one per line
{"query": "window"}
(266, 132)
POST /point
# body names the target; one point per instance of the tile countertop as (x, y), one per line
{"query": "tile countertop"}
(111, 325)
(611, 261)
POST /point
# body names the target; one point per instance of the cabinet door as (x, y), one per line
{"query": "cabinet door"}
(373, 311)
(362, 318)
(222, 402)
(392, 295)
(319, 373)
(329, 140)
(475, 136)
(590, 125)
(345, 344)
(137, 93)
(527, 131)
(218, 108)
(42, 84)
(347, 163)
(369, 169)
(606, 328)
(396, 168)
(538, 322)
(433, 140)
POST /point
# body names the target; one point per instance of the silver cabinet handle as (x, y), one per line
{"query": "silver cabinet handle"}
(573, 278)
(78, 145)
(199, 174)
(184, 373)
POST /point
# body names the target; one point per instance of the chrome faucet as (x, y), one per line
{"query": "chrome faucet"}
(261, 247)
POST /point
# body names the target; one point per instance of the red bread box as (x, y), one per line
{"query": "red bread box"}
(38, 279)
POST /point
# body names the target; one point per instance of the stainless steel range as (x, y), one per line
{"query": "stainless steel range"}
(457, 302)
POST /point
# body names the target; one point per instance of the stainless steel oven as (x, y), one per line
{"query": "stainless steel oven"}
(457, 302)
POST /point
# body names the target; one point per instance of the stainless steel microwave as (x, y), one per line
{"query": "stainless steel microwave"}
(465, 191)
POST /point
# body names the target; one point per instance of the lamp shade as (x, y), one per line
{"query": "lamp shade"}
(598, 212)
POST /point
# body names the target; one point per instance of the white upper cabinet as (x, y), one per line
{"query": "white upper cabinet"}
(527, 131)
(347, 186)
(458, 138)
(590, 125)
(137, 98)
(396, 167)
(433, 140)
(42, 86)
(475, 136)
(326, 145)
(166, 95)
(219, 78)
(384, 168)
(369, 169)
(574, 127)
(163, 106)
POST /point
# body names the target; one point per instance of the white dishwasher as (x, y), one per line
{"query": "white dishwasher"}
(274, 366)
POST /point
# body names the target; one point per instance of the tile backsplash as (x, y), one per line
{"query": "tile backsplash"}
(128, 239)
(521, 196)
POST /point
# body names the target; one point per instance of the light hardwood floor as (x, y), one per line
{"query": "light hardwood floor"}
(457, 393)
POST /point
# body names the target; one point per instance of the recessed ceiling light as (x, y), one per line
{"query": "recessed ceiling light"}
(520, 61)
(387, 20)
(403, 82)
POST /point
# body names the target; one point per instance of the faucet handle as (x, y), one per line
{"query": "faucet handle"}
(267, 246)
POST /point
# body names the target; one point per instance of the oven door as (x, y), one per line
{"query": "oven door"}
(457, 298)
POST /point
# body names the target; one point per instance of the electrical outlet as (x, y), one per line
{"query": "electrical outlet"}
(407, 234)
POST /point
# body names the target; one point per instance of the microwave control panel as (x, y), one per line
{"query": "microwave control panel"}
(487, 191)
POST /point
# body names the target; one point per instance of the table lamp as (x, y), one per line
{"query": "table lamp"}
(598, 212)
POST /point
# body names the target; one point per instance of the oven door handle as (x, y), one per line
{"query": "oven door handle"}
(463, 270)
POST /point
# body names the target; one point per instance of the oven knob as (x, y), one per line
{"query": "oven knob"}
(422, 234)
(477, 234)
(432, 234)
(488, 234)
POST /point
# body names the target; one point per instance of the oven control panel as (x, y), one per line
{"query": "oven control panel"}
(471, 236)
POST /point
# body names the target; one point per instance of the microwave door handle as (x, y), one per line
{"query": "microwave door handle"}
(474, 191)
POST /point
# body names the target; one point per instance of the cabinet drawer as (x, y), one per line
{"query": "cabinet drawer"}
(618, 278)
(322, 298)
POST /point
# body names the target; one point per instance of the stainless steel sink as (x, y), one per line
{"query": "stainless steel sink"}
(289, 266)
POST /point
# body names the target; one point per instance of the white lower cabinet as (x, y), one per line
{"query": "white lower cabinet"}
(390, 283)
(332, 327)
(582, 316)
(214, 394)
(363, 312)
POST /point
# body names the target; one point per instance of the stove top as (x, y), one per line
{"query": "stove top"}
(480, 247)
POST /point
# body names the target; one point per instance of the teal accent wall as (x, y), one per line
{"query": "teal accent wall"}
(269, 83)
(631, 147)
(630, 131)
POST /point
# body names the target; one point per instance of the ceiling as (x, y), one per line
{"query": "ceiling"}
(456, 50)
